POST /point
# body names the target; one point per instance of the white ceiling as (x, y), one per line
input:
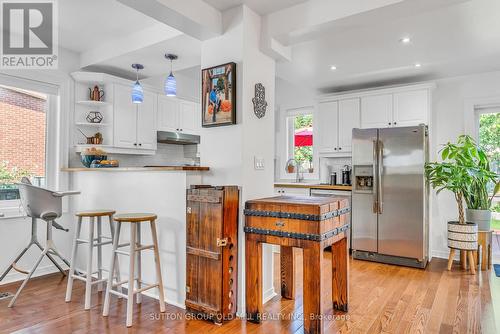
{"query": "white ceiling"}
(262, 7)
(153, 58)
(85, 25)
(451, 40)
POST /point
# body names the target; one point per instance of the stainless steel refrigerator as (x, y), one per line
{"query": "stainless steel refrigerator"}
(390, 195)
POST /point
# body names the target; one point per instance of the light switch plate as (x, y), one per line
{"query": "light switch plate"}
(258, 163)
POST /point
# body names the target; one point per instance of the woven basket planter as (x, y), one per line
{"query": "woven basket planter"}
(462, 236)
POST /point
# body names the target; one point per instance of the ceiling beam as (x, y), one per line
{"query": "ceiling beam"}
(192, 17)
(125, 44)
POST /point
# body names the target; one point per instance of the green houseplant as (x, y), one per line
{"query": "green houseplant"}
(458, 172)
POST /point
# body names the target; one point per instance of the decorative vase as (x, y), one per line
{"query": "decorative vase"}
(462, 236)
(481, 217)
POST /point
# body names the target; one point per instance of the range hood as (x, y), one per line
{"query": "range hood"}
(166, 137)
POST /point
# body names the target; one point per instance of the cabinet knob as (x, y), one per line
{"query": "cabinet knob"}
(135, 144)
(180, 129)
(140, 144)
(335, 148)
(389, 123)
(340, 148)
(395, 123)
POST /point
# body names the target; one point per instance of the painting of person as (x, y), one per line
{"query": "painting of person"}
(219, 95)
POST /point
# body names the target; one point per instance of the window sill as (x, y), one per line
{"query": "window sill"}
(14, 217)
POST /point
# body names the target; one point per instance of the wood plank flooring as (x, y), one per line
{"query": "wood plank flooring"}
(384, 299)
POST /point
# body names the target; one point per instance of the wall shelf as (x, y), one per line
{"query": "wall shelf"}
(97, 125)
(94, 104)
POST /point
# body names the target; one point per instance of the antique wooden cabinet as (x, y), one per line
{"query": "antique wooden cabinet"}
(212, 251)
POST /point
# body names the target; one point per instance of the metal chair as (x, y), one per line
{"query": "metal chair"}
(44, 204)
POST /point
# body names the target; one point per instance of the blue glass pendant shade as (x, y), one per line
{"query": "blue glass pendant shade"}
(171, 85)
(137, 93)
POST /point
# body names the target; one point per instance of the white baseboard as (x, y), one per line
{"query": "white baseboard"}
(268, 295)
(15, 276)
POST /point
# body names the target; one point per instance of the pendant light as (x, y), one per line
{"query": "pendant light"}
(137, 91)
(170, 82)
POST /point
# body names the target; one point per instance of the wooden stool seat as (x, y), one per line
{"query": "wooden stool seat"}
(135, 217)
(95, 213)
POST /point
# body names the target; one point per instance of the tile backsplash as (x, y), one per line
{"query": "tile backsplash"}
(166, 154)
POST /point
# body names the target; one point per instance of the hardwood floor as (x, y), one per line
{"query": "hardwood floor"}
(383, 299)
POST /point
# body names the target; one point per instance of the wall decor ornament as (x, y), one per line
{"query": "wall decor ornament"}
(218, 95)
(94, 117)
(259, 101)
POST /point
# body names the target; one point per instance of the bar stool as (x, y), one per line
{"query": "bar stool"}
(135, 220)
(91, 242)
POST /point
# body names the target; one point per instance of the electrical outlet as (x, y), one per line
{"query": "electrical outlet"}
(258, 163)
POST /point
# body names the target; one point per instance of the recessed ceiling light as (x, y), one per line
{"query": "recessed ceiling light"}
(405, 40)
(417, 65)
(333, 67)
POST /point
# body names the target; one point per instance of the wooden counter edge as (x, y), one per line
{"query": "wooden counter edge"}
(137, 169)
(314, 186)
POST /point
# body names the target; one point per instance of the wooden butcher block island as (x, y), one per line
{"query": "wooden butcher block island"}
(310, 223)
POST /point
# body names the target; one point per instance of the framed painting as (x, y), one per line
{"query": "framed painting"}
(218, 95)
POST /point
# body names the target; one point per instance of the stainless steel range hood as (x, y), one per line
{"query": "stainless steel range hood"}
(166, 137)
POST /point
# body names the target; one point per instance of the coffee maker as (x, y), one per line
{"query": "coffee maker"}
(346, 175)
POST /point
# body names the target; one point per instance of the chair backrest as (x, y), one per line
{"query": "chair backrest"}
(38, 201)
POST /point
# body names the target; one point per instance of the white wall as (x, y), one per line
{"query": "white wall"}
(230, 150)
(450, 119)
(15, 232)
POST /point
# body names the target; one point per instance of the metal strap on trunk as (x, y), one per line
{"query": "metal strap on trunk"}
(303, 236)
(301, 216)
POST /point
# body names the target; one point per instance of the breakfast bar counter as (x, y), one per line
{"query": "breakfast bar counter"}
(137, 169)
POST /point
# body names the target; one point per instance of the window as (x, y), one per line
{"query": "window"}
(300, 140)
(489, 139)
(22, 143)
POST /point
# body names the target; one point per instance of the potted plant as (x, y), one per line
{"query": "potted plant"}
(455, 173)
(481, 177)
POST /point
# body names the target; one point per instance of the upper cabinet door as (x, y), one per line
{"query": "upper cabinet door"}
(349, 118)
(168, 113)
(411, 108)
(146, 122)
(376, 111)
(189, 116)
(327, 124)
(125, 117)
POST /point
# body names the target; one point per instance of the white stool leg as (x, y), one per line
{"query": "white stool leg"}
(74, 251)
(138, 266)
(131, 270)
(158, 269)
(116, 270)
(99, 253)
(88, 283)
(109, 285)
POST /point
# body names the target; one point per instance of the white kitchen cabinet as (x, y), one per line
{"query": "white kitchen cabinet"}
(125, 117)
(326, 124)
(376, 111)
(178, 115)
(134, 124)
(411, 108)
(349, 118)
(146, 122)
(168, 113)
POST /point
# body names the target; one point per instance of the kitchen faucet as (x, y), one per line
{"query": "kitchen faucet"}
(299, 176)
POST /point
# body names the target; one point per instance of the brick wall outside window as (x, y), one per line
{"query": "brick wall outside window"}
(22, 130)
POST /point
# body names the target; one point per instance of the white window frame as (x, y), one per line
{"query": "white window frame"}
(13, 208)
(289, 142)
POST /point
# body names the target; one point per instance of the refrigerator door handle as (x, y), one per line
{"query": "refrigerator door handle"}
(380, 163)
(374, 172)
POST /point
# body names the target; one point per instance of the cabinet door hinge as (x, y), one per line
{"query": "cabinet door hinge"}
(188, 289)
(221, 242)
(188, 209)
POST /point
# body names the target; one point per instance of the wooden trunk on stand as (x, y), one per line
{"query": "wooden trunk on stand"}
(212, 251)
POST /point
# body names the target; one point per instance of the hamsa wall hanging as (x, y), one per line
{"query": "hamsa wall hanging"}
(259, 101)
